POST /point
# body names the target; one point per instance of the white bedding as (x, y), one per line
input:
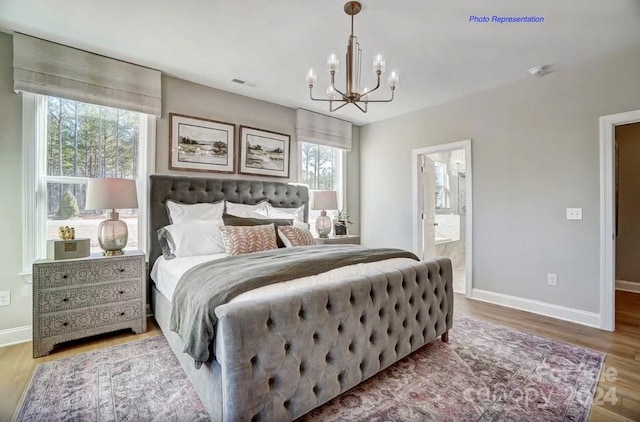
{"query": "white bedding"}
(167, 273)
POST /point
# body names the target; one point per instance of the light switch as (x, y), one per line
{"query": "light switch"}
(574, 213)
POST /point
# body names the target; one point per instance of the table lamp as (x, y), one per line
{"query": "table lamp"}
(324, 200)
(112, 194)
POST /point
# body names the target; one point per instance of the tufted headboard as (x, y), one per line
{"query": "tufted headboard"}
(192, 190)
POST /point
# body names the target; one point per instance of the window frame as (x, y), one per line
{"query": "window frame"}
(35, 179)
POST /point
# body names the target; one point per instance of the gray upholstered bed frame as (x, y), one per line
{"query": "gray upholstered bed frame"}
(278, 359)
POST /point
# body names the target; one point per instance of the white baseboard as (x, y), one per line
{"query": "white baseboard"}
(542, 308)
(15, 335)
(628, 286)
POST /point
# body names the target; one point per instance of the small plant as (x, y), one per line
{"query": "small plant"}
(68, 206)
(342, 215)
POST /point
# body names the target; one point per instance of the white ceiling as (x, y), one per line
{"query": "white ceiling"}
(272, 43)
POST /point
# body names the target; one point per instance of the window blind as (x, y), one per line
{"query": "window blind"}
(317, 128)
(47, 68)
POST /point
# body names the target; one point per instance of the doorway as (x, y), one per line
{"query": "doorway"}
(608, 211)
(442, 207)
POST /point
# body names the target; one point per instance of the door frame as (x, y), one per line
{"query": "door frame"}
(607, 214)
(415, 170)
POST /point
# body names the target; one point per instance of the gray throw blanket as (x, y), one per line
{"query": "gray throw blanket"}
(214, 283)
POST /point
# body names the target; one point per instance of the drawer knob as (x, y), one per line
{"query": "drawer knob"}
(66, 299)
(121, 292)
(65, 323)
(65, 276)
(121, 270)
(121, 313)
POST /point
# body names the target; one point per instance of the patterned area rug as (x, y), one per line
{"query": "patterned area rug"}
(486, 373)
(137, 381)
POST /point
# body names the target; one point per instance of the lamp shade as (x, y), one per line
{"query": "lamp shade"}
(324, 200)
(111, 194)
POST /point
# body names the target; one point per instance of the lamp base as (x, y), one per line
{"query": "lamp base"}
(323, 225)
(113, 235)
(113, 253)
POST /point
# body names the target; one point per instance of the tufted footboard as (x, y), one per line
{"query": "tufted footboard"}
(282, 358)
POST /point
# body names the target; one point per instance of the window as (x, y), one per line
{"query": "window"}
(323, 168)
(75, 141)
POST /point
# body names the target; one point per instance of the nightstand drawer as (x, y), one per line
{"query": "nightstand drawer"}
(68, 322)
(61, 274)
(80, 297)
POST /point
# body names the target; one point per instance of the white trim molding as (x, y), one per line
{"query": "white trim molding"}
(15, 335)
(607, 214)
(34, 126)
(628, 286)
(415, 166)
(541, 308)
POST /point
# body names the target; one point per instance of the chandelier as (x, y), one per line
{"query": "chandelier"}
(352, 94)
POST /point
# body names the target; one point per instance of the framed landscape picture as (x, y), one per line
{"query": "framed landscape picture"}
(201, 144)
(264, 153)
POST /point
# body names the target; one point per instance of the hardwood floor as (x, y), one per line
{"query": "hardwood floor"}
(622, 365)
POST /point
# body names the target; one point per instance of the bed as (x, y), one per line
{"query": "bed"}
(296, 345)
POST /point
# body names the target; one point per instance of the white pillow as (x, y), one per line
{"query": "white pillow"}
(296, 213)
(183, 213)
(258, 210)
(191, 239)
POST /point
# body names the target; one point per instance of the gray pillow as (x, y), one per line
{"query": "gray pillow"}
(164, 238)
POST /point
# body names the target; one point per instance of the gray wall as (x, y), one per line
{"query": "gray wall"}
(628, 240)
(183, 97)
(19, 313)
(534, 153)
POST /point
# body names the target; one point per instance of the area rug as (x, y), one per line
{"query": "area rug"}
(137, 381)
(486, 372)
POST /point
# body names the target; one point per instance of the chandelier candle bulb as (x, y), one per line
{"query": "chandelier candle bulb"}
(312, 78)
(332, 94)
(333, 62)
(379, 63)
(393, 80)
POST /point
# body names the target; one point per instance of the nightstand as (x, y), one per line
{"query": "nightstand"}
(335, 240)
(76, 298)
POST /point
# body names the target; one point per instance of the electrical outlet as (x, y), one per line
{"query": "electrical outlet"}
(5, 298)
(574, 213)
(552, 280)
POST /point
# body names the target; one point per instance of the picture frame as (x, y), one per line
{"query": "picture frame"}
(199, 144)
(263, 152)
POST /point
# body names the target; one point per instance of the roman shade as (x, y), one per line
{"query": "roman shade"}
(317, 128)
(47, 68)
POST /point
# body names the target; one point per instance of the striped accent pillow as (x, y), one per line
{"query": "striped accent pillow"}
(240, 240)
(295, 236)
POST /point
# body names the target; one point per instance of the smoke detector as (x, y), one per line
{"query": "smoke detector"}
(540, 70)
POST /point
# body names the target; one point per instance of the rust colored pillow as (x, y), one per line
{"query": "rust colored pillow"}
(295, 236)
(240, 240)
